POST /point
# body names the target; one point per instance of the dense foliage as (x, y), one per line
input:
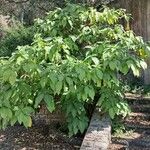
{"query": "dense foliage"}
(15, 37)
(74, 60)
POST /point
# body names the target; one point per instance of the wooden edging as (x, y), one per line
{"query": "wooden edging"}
(98, 135)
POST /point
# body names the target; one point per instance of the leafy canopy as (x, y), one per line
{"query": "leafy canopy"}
(74, 60)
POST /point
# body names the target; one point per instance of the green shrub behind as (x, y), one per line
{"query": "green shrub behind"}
(14, 37)
(74, 61)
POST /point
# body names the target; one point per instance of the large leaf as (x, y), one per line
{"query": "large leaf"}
(28, 110)
(58, 87)
(95, 60)
(135, 70)
(12, 78)
(112, 113)
(38, 99)
(5, 113)
(49, 102)
(143, 64)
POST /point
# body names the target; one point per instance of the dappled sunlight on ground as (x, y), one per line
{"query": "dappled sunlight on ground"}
(20, 138)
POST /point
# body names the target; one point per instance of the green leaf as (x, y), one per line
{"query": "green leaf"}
(27, 121)
(4, 123)
(19, 60)
(20, 116)
(8, 94)
(73, 112)
(82, 126)
(38, 100)
(43, 82)
(81, 73)
(58, 87)
(28, 110)
(5, 113)
(49, 102)
(91, 92)
(135, 70)
(84, 96)
(7, 99)
(13, 120)
(75, 125)
(69, 81)
(53, 78)
(95, 60)
(125, 69)
(12, 78)
(9, 113)
(143, 64)
(112, 65)
(6, 75)
(111, 113)
(99, 74)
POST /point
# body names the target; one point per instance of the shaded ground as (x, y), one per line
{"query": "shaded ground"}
(138, 123)
(37, 138)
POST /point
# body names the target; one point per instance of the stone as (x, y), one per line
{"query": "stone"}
(98, 135)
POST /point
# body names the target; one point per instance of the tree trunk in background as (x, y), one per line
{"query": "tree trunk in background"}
(147, 72)
(140, 10)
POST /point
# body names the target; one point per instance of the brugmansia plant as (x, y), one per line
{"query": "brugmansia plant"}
(74, 60)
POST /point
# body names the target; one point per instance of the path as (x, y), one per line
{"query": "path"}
(138, 122)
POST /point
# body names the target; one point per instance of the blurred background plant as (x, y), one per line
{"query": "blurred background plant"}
(14, 37)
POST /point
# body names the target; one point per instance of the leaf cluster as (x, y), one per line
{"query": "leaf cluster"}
(75, 58)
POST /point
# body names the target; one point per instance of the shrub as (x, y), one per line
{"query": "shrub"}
(74, 60)
(15, 37)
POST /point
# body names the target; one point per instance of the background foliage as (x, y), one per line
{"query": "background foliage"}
(27, 10)
(74, 60)
(15, 36)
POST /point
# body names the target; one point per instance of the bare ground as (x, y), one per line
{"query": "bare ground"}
(37, 138)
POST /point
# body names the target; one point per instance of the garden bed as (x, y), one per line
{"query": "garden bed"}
(38, 137)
